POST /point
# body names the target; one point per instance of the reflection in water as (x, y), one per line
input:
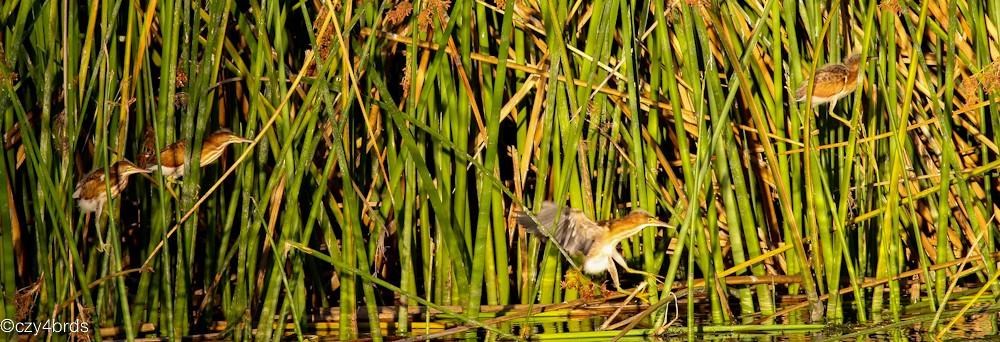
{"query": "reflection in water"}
(584, 325)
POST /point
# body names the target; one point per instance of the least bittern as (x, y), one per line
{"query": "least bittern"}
(171, 162)
(833, 82)
(597, 242)
(92, 191)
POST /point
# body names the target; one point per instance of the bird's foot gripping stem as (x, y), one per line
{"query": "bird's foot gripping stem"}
(621, 261)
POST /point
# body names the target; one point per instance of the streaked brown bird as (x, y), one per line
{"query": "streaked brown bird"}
(172, 156)
(92, 192)
(833, 82)
(596, 242)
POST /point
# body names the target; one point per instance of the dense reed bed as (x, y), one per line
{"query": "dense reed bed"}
(393, 141)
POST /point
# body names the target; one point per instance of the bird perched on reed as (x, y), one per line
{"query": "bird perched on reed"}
(171, 162)
(833, 82)
(597, 242)
(92, 191)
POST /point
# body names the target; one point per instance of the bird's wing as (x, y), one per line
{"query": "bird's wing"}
(546, 217)
(83, 191)
(829, 81)
(173, 155)
(570, 228)
(577, 233)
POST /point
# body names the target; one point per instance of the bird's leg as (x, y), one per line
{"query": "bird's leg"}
(101, 247)
(842, 120)
(171, 189)
(845, 121)
(613, 272)
(168, 181)
(86, 225)
(621, 261)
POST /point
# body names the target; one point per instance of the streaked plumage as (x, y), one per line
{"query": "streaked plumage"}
(596, 242)
(172, 156)
(91, 193)
(171, 160)
(833, 82)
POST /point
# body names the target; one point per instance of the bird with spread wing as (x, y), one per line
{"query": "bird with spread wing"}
(597, 242)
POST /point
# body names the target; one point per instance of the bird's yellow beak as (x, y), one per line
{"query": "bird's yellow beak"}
(133, 169)
(657, 223)
(238, 139)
